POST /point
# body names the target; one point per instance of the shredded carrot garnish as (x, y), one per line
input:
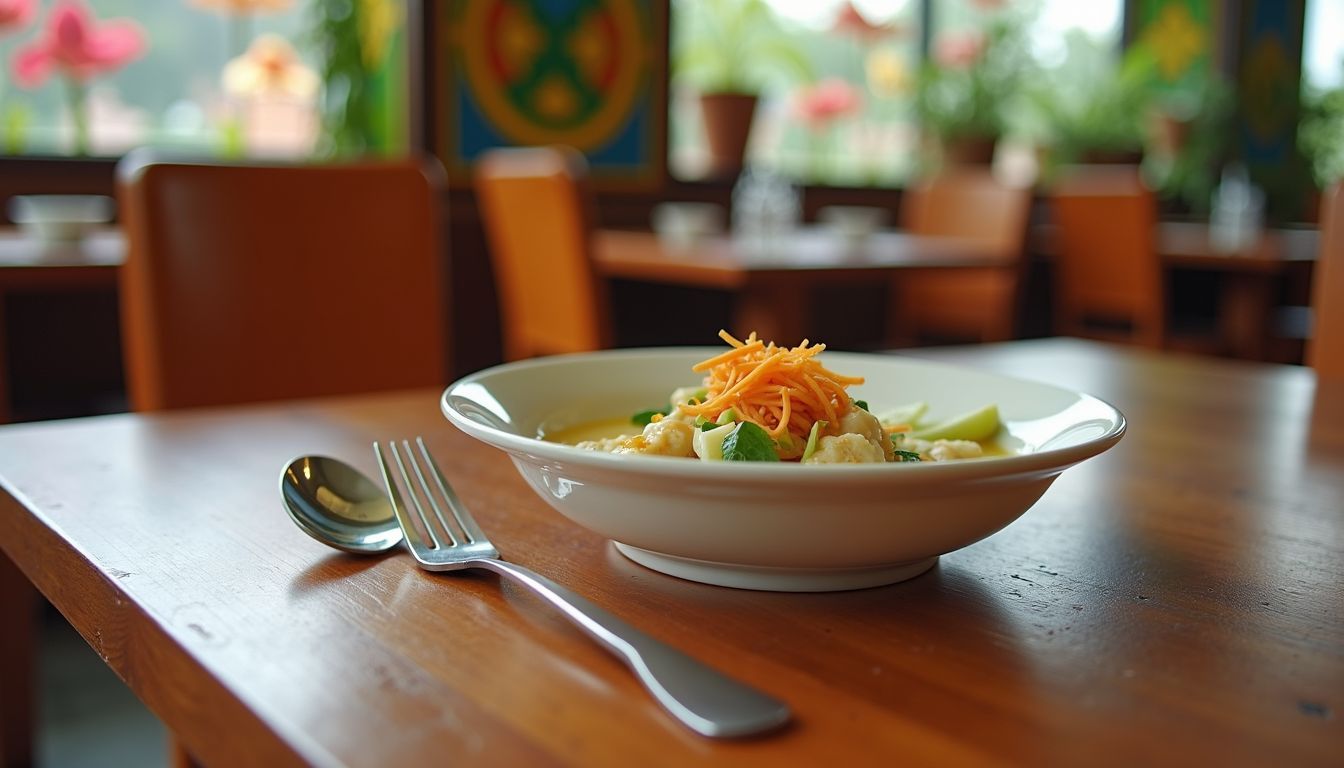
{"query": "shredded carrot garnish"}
(781, 389)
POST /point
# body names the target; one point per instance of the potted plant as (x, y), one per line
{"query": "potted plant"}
(728, 50)
(1098, 116)
(963, 91)
(1321, 134)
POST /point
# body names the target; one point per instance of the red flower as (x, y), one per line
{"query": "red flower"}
(825, 101)
(15, 13)
(74, 46)
(959, 50)
(849, 21)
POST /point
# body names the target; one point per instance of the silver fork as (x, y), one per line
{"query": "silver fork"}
(702, 698)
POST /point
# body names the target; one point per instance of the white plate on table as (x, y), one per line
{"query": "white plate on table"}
(779, 526)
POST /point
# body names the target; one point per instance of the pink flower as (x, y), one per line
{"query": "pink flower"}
(959, 50)
(850, 21)
(825, 101)
(77, 48)
(15, 13)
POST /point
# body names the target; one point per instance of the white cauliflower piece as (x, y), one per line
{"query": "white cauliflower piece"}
(942, 450)
(861, 422)
(849, 448)
(667, 437)
(604, 445)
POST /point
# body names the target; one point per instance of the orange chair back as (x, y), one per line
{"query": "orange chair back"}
(261, 282)
(1325, 348)
(969, 203)
(1109, 281)
(963, 304)
(534, 206)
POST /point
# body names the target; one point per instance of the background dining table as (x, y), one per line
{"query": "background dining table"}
(772, 276)
(28, 265)
(1176, 600)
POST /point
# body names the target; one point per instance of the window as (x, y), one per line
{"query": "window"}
(835, 82)
(856, 113)
(224, 76)
(1323, 45)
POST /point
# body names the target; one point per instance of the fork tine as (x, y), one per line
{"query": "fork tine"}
(468, 524)
(422, 500)
(399, 507)
(426, 492)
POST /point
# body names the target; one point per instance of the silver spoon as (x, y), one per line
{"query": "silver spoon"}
(338, 505)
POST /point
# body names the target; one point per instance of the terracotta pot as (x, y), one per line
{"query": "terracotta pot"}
(1112, 157)
(727, 118)
(1168, 132)
(969, 150)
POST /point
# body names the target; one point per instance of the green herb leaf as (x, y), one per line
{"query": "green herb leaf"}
(907, 456)
(748, 442)
(862, 404)
(706, 426)
(644, 418)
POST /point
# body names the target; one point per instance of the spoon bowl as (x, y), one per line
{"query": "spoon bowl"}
(338, 505)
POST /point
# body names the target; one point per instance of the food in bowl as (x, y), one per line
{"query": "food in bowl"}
(771, 524)
(763, 402)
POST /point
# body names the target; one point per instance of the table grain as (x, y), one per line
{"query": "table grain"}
(1174, 601)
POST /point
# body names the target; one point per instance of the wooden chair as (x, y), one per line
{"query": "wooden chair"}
(1109, 282)
(535, 207)
(964, 304)
(263, 282)
(1325, 347)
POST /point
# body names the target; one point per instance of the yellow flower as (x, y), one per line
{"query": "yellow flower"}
(887, 73)
(270, 66)
(378, 19)
(243, 6)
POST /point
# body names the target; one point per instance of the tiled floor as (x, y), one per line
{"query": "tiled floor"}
(86, 715)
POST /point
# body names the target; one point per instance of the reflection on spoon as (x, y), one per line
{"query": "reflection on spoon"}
(338, 505)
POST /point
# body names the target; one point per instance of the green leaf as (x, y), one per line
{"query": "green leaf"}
(644, 418)
(748, 442)
(862, 404)
(706, 426)
(906, 456)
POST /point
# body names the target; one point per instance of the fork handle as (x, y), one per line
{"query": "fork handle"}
(706, 700)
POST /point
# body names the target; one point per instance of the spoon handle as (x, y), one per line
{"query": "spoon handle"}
(704, 699)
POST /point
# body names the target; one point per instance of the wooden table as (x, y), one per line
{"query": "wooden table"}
(27, 265)
(771, 280)
(1250, 277)
(1174, 601)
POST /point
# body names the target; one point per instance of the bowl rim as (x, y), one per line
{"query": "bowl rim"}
(1047, 461)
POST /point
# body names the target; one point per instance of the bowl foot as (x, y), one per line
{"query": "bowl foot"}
(775, 579)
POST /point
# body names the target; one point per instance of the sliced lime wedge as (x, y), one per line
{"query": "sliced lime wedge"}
(980, 424)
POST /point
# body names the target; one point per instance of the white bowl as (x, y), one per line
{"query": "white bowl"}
(852, 222)
(684, 224)
(56, 219)
(778, 526)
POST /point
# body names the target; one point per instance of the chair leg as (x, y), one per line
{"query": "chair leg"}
(18, 659)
